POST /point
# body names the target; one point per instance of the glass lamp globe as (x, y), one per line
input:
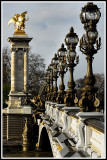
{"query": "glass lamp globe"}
(90, 12)
(61, 52)
(92, 35)
(50, 67)
(55, 60)
(71, 38)
(71, 55)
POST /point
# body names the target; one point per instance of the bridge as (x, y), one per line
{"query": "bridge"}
(70, 132)
(61, 123)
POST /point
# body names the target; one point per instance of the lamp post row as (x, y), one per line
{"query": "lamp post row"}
(67, 59)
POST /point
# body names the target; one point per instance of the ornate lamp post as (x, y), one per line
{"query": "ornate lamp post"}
(55, 76)
(51, 78)
(71, 41)
(48, 81)
(43, 89)
(46, 86)
(89, 16)
(62, 70)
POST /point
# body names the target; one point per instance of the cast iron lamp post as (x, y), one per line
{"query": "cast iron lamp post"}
(89, 16)
(71, 41)
(51, 79)
(43, 89)
(55, 76)
(48, 81)
(62, 70)
(46, 86)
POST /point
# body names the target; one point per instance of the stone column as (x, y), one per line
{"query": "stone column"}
(19, 69)
(25, 70)
(13, 77)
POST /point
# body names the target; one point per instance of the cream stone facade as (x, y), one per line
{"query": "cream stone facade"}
(19, 69)
(16, 112)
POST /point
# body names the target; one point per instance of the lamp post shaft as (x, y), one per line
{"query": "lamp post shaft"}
(71, 75)
(89, 66)
(62, 79)
(89, 102)
(51, 81)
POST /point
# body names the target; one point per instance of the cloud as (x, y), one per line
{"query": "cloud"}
(48, 25)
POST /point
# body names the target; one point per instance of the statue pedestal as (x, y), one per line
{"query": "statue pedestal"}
(16, 99)
(14, 120)
(25, 109)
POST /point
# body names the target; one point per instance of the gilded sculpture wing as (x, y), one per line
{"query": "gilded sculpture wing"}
(12, 20)
(22, 16)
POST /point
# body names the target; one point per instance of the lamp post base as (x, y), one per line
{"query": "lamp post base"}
(60, 97)
(70, 98)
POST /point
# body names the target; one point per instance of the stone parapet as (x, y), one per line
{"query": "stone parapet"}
(86, 129)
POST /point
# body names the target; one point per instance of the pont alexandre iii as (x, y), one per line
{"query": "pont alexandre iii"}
(61, 122)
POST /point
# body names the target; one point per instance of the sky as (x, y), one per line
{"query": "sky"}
(48, 24)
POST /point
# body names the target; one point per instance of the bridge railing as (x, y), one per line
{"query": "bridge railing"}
(88, 135)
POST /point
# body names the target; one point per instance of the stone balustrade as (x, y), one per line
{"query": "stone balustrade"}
(80, 127)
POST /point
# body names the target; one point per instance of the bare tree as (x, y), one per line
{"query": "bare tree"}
(6, 65)
(36, 72)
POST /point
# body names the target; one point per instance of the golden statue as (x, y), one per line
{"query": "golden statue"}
(19, 23)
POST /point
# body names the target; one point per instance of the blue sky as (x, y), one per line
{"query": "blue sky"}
(48, 24)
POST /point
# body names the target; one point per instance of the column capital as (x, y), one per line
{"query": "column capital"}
(26, 50)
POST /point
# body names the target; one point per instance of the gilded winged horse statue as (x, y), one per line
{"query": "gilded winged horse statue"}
(19, 21)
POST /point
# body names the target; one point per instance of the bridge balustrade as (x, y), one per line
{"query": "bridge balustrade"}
(69, 123)
(74, 126)
(54, 114)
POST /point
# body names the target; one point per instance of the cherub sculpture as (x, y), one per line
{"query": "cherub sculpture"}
(19, 21)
